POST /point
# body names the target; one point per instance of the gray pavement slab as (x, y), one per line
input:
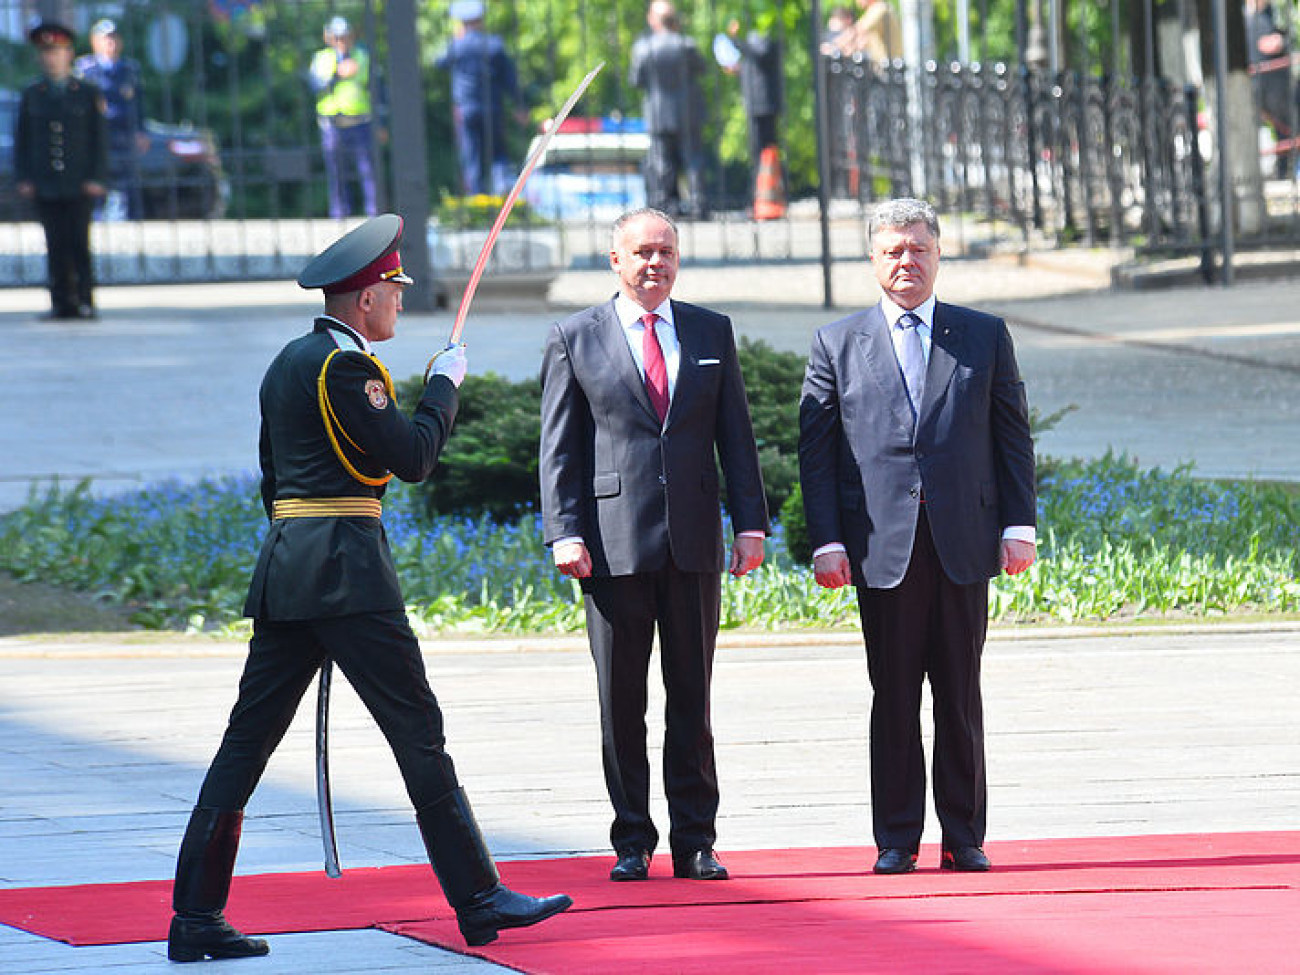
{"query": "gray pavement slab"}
(1091, 732)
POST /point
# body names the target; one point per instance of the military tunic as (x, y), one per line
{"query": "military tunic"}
(325, 586)
(120, 83)
(60, 144)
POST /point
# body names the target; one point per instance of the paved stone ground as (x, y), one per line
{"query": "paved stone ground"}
(1102, 732)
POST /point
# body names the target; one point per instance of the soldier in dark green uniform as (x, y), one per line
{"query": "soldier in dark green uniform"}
(60, 163)
(325, 588)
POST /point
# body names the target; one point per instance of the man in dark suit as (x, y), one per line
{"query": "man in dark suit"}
(917, 468)
(325, 588)
(668, 66)
(639, 396)
(61, 164)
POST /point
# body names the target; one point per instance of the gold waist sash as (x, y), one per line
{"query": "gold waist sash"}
(327, 508)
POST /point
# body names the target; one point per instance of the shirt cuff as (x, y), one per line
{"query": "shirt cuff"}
(1020, 533)
(830, 547)
(752, 533)
(566, 540)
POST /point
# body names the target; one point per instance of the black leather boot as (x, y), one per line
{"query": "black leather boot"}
(484, 906)
(203, 870)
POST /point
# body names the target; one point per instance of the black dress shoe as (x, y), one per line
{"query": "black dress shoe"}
(631, 866)
(700, 865)
(895, 860)
(196, 936)
(965, 859)
(499, 908)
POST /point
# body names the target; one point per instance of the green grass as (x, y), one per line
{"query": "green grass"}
(1116, 543)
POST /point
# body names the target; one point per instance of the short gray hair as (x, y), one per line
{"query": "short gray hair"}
(902, 212)
(631, 215)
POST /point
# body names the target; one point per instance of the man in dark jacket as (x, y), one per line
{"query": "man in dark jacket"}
(118, 79)
(325, 589)
(668, 66)
(484, 85)
(60, 163)
(642, 400)
(917, 468)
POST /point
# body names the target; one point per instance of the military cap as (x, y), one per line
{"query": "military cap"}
(466, 10)
(364, 256)
(49, 33)
(103, 27)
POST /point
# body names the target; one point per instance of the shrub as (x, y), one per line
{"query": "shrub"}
(490, 464)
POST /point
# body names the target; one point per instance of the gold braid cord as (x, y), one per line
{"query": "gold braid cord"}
(332, 423)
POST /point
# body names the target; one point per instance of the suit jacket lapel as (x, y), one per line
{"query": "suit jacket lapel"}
(882, 363)
(946, 337)
(688, 357)
(613, 340)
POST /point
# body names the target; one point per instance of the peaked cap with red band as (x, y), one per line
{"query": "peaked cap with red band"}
(50, 33)
(364, 256)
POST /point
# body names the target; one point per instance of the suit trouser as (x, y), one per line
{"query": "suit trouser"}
(668, 155)
(347, 150)
(380, 657)
(926, 626)
(66, 223)
(622, 613)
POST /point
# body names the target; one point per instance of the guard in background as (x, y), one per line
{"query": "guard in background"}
(340, 76)
(325, 588)
(60, 163)
(484, 85)
(118, 79)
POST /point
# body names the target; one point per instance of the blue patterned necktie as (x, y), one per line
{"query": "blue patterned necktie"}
(911, 359)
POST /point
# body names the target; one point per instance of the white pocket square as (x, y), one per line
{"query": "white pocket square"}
(709, 362)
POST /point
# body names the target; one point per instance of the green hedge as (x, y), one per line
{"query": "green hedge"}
(490, 464)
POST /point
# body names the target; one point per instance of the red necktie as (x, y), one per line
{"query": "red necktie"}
(656, 371)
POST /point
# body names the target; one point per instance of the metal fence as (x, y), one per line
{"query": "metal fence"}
(238, 186)
(1073, 158)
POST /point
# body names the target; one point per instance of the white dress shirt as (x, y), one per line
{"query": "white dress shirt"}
(629, 316)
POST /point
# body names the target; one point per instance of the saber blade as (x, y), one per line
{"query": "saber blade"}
(323, 801)
(509, 204)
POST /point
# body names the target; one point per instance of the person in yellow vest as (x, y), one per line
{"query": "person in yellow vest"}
(340, 76)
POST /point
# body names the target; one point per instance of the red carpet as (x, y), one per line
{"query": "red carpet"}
(1219, 902)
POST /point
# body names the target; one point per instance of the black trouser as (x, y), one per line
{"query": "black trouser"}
(622, 613)
(380, 657)
(669, 154)
(67, 252)
(926, 626)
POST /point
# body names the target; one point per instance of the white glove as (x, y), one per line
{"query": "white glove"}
(451, 363)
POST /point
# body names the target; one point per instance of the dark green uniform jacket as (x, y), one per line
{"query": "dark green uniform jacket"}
(60, 140)
(317, 567)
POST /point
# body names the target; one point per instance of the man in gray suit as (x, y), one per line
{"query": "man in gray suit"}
(917, 468)
(642, 397)
(668, 65)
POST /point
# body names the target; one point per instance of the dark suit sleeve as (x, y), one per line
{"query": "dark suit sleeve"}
(267, 461)
(407, 447)
(737, 450)
(1013, 443)
(820, 435)
(564, 447)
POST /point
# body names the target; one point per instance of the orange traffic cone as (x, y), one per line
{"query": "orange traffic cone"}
(769, 193)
